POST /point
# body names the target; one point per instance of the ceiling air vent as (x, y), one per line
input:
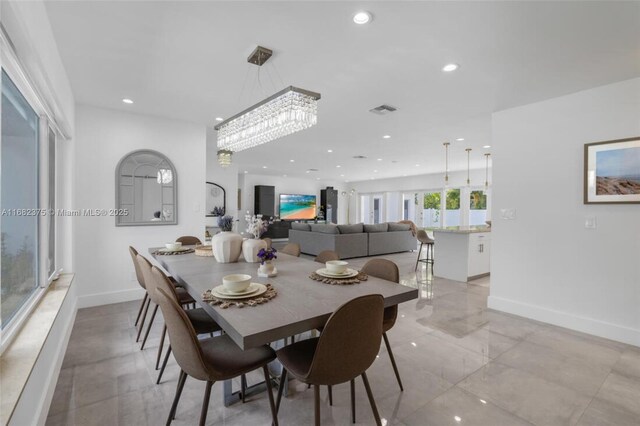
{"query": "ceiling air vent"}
(383, 109)
(359, 157)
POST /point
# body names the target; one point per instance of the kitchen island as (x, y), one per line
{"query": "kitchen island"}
(462, 253)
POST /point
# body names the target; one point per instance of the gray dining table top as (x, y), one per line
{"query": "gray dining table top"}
(302, 304)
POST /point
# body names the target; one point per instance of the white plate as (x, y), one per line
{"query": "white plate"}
(166, 250)
(349, 273)
(261, 288)
(222, 290)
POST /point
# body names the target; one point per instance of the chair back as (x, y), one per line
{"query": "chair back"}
(386, 270)
(184, 341)
(188, 240)
(145, 266)
(268, 241)
(326, 255)
(134, 254)
(423, 237)
(412, 226)
(292, 249)
(349, 341)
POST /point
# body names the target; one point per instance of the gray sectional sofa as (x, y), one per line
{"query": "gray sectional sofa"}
(353, 240)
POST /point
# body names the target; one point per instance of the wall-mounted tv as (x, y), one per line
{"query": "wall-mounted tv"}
(297, 207)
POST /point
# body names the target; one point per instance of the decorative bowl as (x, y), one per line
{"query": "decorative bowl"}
(336, 266)
(236, 282)
(173, 246)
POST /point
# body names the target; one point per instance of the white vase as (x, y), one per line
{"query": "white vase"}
(226, 246)
(267, 269)
(250, 249)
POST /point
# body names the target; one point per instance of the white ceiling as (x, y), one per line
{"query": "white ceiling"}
(187, 60)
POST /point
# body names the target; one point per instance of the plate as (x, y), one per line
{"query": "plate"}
(350, 273)
(259, 289)
(166, 250)
(251, 289)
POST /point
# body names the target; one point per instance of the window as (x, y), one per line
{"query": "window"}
(453, 207)
(477, 207)
(431, 214)
(19, 193)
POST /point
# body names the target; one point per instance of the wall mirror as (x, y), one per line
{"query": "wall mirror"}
(216, 200)
(146, 190)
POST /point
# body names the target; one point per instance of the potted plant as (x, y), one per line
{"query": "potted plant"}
(250, 247)
(267, 268)
(226, 245)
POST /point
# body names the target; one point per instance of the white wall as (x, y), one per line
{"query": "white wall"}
(545, 265)
(104, 270)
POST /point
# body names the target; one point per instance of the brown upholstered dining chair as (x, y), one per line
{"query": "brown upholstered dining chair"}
(144, 306)
(200, 320)
(183, 297)
(292, 249)
(424, 239)
(269, 242)
(210, 360)
(326, 255)
(188, 240)
(386, 270)
(345, 350)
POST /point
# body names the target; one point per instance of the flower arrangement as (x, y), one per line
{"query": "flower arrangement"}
(255, 225)
(267, 254)
(225, 223)
(217, 211)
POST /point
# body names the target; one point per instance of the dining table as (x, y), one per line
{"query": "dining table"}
(301, 304)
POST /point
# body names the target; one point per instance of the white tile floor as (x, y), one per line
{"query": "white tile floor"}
(461, 364)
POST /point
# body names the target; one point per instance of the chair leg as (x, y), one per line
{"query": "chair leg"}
(164, 333)
(272, 404)
(371, 400)
(144, 317)
(330, 395)
(393, 360)
(316, 404)
(205, 403)
(144, 300)
(146, 334)
(353, 400)
(283, 378)
(418, 258)
(174, 406)
(164, 364)
(243, 386)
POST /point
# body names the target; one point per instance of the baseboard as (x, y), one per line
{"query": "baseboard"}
(587, 325)
(110, 297)
(52, 380)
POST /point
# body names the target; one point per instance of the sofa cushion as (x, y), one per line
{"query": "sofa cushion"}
(324, 228)
(380, 227)
(301, 226)
(351, 229)
(399, 227)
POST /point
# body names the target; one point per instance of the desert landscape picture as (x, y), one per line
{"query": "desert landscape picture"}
(618, 171)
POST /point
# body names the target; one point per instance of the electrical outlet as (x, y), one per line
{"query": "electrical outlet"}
(590, 223)
(508, 214)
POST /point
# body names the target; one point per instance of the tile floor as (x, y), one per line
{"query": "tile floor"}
(461, 364)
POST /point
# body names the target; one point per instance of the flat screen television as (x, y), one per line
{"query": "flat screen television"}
(297, 207)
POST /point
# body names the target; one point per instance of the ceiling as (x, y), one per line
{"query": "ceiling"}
(187, 60)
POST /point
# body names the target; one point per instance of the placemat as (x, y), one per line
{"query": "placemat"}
(209, 298)
(340, 281)
(173, 253)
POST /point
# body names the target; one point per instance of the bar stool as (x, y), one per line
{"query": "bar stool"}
(423, 237)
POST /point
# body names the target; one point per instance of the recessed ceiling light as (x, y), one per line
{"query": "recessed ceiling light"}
(338, 166)
(450, 67)
(329, 150)
(307, 171)
(317, 178)
(264, 167)
(375, 171)
(219, 119)
(341, 175)
(417, 165)
(372, 178)
(246, 171)
(284, 175)
(292, 161)
(460, 139)
(379, 159)
(127, 101)
(362, 18)
(386, 136)
(487, 146)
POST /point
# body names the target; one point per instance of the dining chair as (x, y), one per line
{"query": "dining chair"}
(210, 360)
(183, 297)
(269, 242)
(424, 239)
(386, 270)
(292, 249)
(200, 320)
(144, 306)
(345, 350)
(188, 240)
(326, 255)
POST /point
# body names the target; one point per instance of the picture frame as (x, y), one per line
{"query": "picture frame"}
(612, 172)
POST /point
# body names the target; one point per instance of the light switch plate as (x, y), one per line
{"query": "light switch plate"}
(508, 214)
(590, 223)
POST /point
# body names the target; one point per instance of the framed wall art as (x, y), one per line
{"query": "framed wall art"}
(612, 172)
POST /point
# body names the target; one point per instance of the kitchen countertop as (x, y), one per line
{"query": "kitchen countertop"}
(463, 229)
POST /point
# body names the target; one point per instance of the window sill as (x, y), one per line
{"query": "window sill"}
(18, 360)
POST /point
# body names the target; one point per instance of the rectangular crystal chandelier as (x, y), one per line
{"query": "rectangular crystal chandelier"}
(286, 112)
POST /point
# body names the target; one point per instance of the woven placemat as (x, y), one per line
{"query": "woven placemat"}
(209, 298)
(173, 253)
(340, 281)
